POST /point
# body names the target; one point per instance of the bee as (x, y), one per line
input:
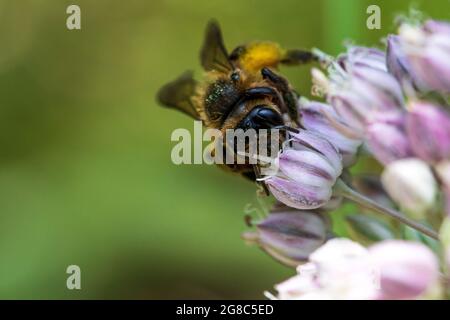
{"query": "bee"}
(241, 90)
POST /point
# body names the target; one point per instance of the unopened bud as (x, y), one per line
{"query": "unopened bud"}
(411, 184)
(323, 120)
(307, 172)
(289, 235)
(387, 139)
(428, 128)
(406, 269)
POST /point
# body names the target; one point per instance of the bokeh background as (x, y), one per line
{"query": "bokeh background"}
(85, 170)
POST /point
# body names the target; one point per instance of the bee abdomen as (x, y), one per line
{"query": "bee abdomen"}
(220, 98)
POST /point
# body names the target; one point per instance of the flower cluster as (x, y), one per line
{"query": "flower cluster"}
(392, 105)
(343, 269)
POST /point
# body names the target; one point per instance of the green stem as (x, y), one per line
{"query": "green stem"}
(368, 203)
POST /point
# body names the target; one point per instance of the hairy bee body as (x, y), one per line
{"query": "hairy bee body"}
(240, 90)
(217, 99)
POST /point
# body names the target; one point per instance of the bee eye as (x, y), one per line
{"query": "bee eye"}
(261, 117)
(235, 76)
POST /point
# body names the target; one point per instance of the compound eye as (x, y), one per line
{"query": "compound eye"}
(267, 118)
(261, 117)
(235, 76)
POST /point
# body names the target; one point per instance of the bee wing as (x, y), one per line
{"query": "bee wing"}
(213, 55)
(177, 94)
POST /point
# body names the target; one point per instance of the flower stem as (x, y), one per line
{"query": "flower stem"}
(347, 192)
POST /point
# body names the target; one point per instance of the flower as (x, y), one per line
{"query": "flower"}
(378, 87)
(399, 65)
(340, 269)
(411, 184)
(387, 139)
(427, 49)
(362, 56)
(289, 235)
(307, 172)
(396, 104)
(321, 119)
(343, 269)
(437, 27)
(428, 129)
(406, 269)
(360, 86)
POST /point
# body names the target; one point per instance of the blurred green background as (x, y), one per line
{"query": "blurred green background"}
(85, 170)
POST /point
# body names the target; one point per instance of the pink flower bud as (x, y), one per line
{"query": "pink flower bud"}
(307, 172)
(299, 195)
(307, 140)
(379, 88)
(399, 65)
(428, 128)
(321, 119)
(428, 50)
(362, 56)
(406, 269)
(362, 86)
(290, 235)
(411, 184)
(387, 139)
(351, 107)
(437, 27)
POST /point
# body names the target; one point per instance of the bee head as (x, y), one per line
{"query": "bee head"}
(261, 117)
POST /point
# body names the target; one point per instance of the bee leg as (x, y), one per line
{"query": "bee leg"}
(289, 96)
(296, 57)
(260, 184)
(260, 92)
(253, 176)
